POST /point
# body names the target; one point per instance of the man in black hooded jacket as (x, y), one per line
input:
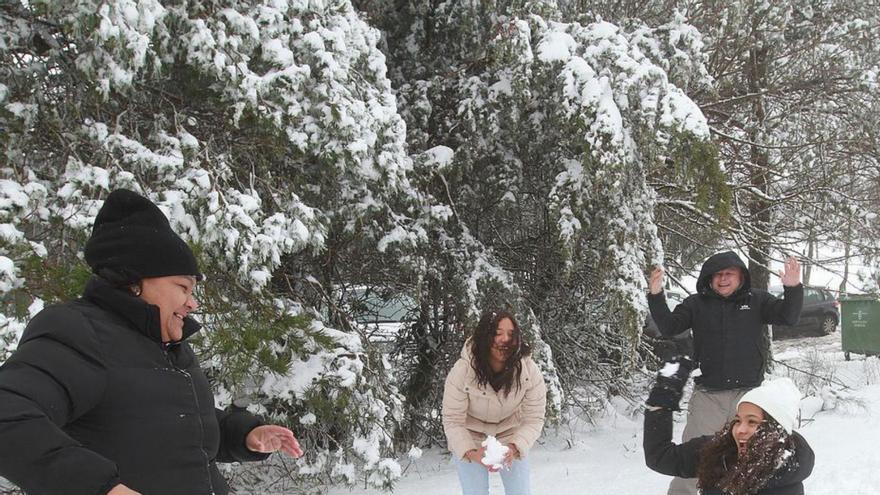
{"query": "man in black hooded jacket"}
(727, 317)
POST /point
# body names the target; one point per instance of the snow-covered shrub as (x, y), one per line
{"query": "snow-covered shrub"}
(261, 128)
(813, 372)
(555, 124)
(325, 392)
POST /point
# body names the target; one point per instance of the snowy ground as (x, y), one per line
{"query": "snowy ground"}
(607, 458)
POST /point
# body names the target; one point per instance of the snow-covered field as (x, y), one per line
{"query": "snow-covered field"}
(840, 421)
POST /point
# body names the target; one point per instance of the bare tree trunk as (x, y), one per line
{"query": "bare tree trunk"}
(759, 207)
(811, 255)
(847, 244)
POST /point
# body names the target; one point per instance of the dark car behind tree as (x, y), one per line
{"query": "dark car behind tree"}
(819, 316)
(379, 312)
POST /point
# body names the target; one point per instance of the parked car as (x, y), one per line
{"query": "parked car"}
(380, 313)
(666, 347)
(820, 315)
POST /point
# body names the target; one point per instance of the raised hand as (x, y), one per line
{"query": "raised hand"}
(791, 273)
(272, 438)
(655, 281)
(669, 386)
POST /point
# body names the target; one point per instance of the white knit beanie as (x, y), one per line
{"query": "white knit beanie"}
(780, 398)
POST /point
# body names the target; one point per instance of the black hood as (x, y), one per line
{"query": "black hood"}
(718, 262)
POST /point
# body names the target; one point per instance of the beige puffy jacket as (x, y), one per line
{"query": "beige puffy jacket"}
(471, 412)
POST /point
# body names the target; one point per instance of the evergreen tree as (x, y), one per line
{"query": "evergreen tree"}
(263, 129)
(548, 125)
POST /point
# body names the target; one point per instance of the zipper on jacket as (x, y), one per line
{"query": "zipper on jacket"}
(192, 387)
(723, 378)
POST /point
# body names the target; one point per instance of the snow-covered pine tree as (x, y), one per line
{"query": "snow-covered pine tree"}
(262, 128)
(554, 123)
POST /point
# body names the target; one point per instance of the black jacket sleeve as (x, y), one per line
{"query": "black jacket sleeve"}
(670, 322)
(661, 454)
(55, 376)
(235, 424)
(784, 311)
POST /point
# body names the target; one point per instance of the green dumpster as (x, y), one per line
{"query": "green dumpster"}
(860, 325)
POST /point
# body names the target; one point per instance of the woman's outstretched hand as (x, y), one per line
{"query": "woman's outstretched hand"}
(272, 438)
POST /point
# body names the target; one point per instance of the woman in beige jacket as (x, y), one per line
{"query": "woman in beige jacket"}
(494, 389)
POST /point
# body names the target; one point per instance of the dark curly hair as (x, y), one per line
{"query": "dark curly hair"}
(481, 342)
(768, 451)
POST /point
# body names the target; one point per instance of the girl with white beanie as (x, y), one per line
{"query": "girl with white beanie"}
(756, 453)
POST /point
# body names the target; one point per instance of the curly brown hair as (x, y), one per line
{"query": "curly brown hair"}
(481, 342)
(768, 451)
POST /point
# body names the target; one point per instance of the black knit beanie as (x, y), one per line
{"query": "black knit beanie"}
(132, 237)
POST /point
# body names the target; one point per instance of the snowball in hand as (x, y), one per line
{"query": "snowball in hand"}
(669, 369)
(495, 452)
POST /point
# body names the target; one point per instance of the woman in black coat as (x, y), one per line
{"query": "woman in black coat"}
(104, 395)
(756, 453)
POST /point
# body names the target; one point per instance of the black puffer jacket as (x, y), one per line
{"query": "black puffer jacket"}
(729, 343)
(92, 398)
(665, 457)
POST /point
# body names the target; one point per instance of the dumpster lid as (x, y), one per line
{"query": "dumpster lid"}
(859, 297)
